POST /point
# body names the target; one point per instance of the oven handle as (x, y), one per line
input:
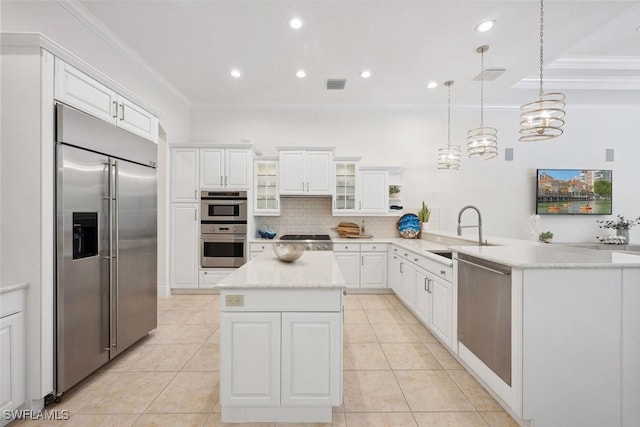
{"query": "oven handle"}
(223, 202)
(222, 238)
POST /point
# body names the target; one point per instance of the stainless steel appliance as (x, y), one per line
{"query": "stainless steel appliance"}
(106, 238)
(313, 242)
(484, 312)
(222, 245)
(221, 206)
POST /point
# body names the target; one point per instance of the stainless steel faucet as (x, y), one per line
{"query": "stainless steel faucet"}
(479, 226)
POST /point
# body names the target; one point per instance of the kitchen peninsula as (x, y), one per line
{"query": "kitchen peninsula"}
(281, 339)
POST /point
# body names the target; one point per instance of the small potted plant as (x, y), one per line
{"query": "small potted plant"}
(394, 191)
(424, 213)
(621, 225)
(546, 237)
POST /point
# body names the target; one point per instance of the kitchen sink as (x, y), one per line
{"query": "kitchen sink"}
(443, 253)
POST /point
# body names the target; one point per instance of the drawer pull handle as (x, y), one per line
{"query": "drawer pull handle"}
(443, 272)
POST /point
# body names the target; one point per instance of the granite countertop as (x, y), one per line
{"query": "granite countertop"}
(10, 287)
(551, 256)
(315, 269)
(517, 253)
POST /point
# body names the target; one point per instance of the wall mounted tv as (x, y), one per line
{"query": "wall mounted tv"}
(573, 192)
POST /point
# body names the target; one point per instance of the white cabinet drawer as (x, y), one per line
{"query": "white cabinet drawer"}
(373, 247)
(441, 270)
(211, 277)
(12, 302)
(346, 247)
(260, 247)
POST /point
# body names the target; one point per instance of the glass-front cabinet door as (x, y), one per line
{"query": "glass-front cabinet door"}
(267, 197)
(345, 198)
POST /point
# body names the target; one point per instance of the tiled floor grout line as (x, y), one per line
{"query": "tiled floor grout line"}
(438, 362)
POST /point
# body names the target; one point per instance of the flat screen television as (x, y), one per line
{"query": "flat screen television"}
(573, 192)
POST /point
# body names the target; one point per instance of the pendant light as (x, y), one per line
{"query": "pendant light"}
(482, 142)
(542, 119)
(449, 156)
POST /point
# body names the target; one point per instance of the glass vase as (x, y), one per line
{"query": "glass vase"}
(623, 232)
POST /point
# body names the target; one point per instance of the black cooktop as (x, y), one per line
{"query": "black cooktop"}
(305, 237)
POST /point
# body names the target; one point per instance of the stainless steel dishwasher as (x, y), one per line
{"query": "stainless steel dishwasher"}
(484, 312)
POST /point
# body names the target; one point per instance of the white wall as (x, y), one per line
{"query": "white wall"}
(504, 191)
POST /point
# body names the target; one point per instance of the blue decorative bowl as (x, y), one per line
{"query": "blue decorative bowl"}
(266, 233)
(409, 226)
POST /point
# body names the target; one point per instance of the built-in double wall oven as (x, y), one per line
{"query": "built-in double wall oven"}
(223, 228)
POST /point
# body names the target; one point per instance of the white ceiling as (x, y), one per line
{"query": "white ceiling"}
(592, 49)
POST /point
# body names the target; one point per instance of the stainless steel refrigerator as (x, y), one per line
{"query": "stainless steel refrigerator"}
(106, 237)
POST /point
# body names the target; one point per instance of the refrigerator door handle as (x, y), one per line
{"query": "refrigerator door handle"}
(116, 249)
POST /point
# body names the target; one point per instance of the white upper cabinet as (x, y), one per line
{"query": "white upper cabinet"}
(306, 172)
(184, 175)
(266, 194)
(374, 190)
(224, 168)
(77, 89)
(237, 166)
(360, 190)
(345, 197)
(212, 168)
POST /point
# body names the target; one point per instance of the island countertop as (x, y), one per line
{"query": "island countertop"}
(315, 269)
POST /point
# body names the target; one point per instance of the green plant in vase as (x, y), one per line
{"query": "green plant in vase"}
(546, 237)
(424, 213)
(394, 191)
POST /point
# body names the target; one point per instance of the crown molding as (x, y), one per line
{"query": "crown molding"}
(581, 82)
(32, 43)
(596, 63)
(98, 27)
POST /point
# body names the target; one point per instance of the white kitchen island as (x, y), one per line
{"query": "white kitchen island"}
(281, 339)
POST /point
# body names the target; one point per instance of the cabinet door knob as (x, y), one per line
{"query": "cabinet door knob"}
(443, 272)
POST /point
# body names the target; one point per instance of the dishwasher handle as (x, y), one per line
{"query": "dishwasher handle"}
(504, 273)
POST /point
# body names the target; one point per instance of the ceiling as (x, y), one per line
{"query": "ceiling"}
(592, 49)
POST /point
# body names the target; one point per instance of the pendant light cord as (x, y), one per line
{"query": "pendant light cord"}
(482, 88)
(541, 92)
(449, 117)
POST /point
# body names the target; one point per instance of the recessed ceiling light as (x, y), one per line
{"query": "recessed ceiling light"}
(295, 23)
(301, 74)
(365, 74)
(485, 26)
(236, 73)
(432, 85)
(638, 29)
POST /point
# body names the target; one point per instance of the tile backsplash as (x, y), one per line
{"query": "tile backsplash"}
(312, 215)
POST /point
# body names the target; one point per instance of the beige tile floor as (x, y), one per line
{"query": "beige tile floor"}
(395, 374)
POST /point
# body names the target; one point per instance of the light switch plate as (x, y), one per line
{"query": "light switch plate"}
(234, 300)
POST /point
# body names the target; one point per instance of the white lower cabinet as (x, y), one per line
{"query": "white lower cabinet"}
(423, 285)
(424, 298)
(185, 241)
(310, 356)
(278, 363)
(362, 265)
(408, 283)
(349, 263)
(12, 353)
(373, 265)
(442, 309)
(250, 364)
(256, 249)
